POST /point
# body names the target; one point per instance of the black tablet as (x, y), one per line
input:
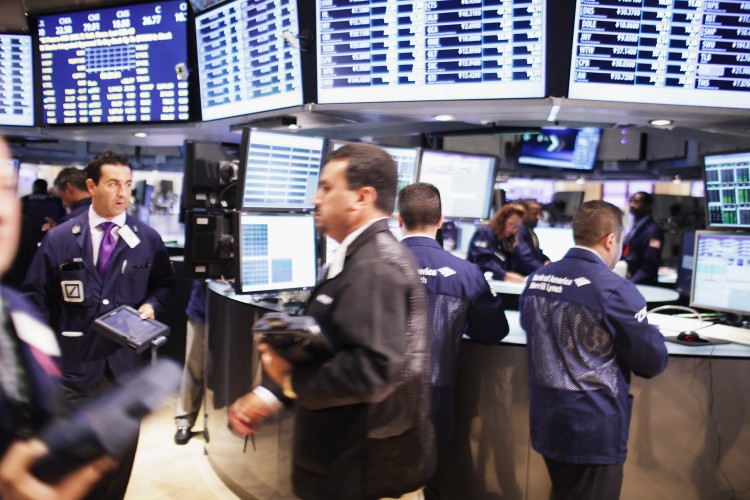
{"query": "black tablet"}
(125, 326)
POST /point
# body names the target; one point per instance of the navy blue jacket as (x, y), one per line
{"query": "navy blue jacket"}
(64, 284)
(642, 251)
(460, 302)
(486, 251)
(79, 208)
(38, 349)
(586, 330)
(528, 257)
(38, 206)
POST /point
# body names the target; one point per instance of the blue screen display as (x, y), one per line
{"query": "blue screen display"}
(561, 148)
(115, 65)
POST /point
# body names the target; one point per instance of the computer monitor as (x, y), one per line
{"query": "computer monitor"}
(554, 147)
(721, 272)
(465, 181)
(278, 170)
(667, 52)
(685, 264)
(126, 64)
(245, 62)
(211, 170)
(16, 80)
(370, 51)
(274, 252)
(727, 181)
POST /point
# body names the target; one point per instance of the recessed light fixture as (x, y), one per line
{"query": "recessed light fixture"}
(660, 122)
(676, 180)
(293, 126)
(140, 135)
(444, 118)
(581, 180)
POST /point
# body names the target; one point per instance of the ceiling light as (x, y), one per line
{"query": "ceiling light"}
(676, 180)
(443, 118)
(140, 135)
(581, 180)
(293, 126)
(660, 122)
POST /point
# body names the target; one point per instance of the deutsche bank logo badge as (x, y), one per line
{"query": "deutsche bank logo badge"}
(72, 290)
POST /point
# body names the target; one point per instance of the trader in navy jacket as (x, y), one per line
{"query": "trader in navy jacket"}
(642, 245)
(29, 395)
(460, 302)
(529, 256)
(587, 330)
(493, 247)
(65, 284)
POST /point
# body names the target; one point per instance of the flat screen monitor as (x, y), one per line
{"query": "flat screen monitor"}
(245, 64)
(16, 81)
(124, 64)
(681, 52)
(278, 170)
(275, 252)
(372, 52)
(727, 180)
(465, 181)
(210, 175)
(573, 148)
(685, 264)
(721, 272)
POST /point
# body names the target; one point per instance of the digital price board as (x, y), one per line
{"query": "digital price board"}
(417, 50)
(727, 181)
(115, 65)
(16, 80)
(245, 63)
(688, 52)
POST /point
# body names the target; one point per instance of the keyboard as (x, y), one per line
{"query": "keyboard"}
(672, 325)
(728, 333)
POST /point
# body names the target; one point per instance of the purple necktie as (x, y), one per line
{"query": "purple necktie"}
(106, 248)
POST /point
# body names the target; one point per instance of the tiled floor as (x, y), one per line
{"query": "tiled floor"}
(166, 471)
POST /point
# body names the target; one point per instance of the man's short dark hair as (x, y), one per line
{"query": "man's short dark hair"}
(419, 205)
(594, 220)
(528, 203)
(73, 175)
(648, 198)
(94, 168)
(39, 187)
(370, 165)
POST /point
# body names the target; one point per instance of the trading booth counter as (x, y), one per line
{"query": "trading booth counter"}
(689, 434)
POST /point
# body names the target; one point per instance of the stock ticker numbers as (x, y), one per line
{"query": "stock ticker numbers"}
(395, 50)
(682, 49)
(246, 60)
(16, 80)
(115, 65)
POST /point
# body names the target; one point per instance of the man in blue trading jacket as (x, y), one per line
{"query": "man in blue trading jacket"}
(90, 265)
(29, 396)
(643, 244)
(586, 331)
(529, 257)
(459, 302)
(71, 185)
(362, 416)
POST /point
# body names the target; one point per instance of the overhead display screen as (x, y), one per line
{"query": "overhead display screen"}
(245, 63)
(16, 81)
(116, 65)
(689, 52)
(381, 51)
